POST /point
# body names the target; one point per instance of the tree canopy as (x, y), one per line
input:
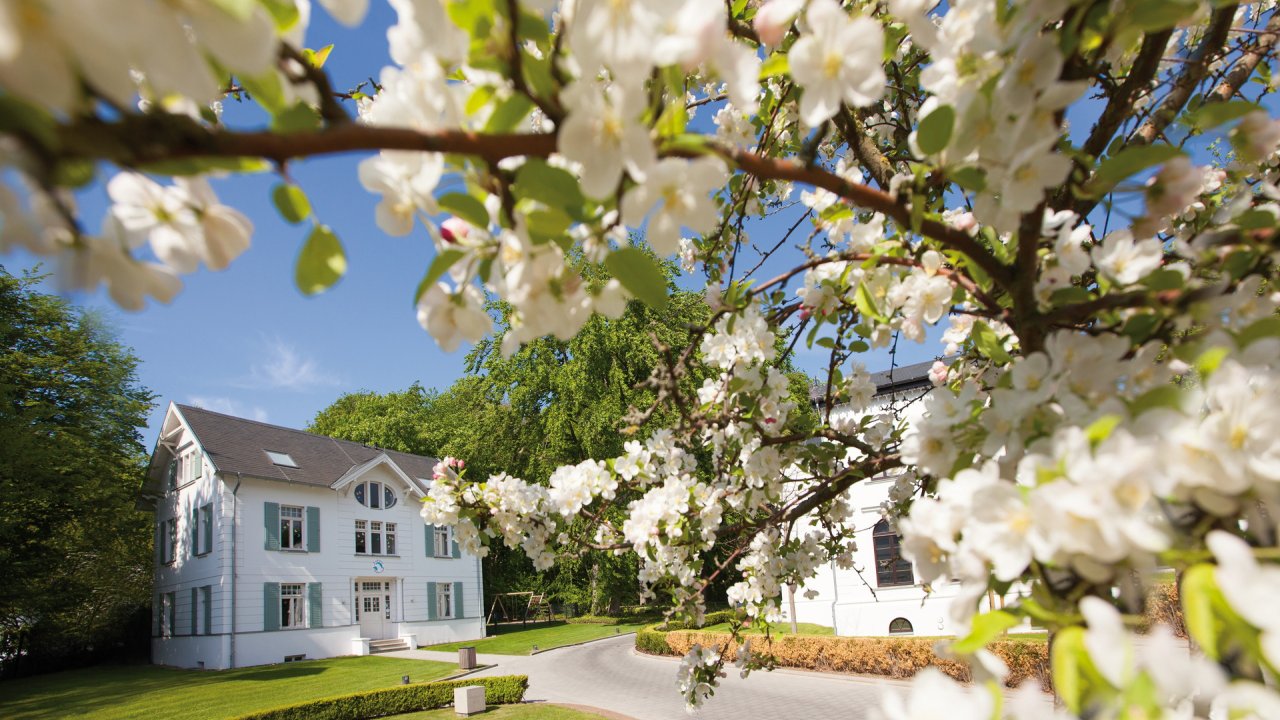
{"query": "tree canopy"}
(76, 551)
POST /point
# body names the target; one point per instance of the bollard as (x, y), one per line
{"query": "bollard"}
(468, 700)
(404, 679)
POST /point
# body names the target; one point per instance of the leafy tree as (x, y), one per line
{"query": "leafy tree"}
(75, 550)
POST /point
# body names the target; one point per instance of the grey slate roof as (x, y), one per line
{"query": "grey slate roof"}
(907, 377)
(237, 445)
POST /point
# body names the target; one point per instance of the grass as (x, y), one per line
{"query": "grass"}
(520, 639)
(534, 711)
(783, 628)
(116, 692)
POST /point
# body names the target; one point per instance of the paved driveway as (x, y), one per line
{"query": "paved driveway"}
(608, 674)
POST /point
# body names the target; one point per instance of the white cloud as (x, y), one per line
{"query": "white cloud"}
(283, 367)
(227, 406)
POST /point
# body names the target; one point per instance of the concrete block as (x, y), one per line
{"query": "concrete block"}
(467, 658)
(468, 700)
(360, 646)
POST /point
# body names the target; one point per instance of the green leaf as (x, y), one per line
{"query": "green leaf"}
(1210, 359)
(1213, 114)
(266, 90)
(18, 117)
(969, 178)
(552, 186)
(284, 12)
(673, 119)
(508, 115)
(439, 266)
(1164, 279)
(474, 16)
(775, 65)
(935, 130)
(1155, 15)
(1128, 161)
(317, 58)
(1101, 428)
(985, 339)
(1199, 594)
(321, 263)
(239, 9)
(546, 223)
(466, 207)
(986, 627)
(479, 98)
(202, 165)
(1069, 657)
(866, 304)
(291, 202)
(640, 275)
(1165, 396)
(1255, 220)
(300, 117)
(1267, 327)
(74, 173)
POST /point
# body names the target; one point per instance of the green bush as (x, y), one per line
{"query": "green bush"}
(653, 639)
(502, 690)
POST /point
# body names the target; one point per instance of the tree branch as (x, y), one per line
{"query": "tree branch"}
(1248, 62)
(1120, 103)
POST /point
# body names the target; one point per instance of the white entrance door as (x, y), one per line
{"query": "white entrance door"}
(373, 608)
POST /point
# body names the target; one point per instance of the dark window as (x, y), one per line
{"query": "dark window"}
(900, 626)
(891, 568)
(360, 493)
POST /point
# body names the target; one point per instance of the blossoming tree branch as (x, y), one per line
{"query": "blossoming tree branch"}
(1078, 194)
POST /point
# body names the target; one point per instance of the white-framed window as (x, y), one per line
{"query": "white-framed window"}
(204, 540)
(293, 606)
(375, 495)
(442, 541)
(444, 600)
(374, 537)
(167, 610)
(292, 533)
(169, 540)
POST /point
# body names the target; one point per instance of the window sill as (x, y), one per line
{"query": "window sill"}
(203, 554)
(373, 555)
(445, 557)
(300, 551)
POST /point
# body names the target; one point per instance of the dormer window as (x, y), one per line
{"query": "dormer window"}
(281, 459)
(375, 495)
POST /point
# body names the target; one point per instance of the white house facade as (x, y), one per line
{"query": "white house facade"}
(882, 595)
(275, 545)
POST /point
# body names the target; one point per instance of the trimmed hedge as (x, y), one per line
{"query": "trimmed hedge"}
(502, 690)
(889, 657)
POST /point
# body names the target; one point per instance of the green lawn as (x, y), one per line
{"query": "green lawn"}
(519, 640)
(532, 711)
(783, 628)
(156, 693)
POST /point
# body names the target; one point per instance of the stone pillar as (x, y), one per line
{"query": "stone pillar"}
(468, 700)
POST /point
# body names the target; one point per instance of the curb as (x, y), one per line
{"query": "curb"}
(465, 673)
(584, 642)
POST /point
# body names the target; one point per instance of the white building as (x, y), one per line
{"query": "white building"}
(275, 545)
(883, 596)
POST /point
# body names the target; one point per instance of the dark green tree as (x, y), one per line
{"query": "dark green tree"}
(76, 552)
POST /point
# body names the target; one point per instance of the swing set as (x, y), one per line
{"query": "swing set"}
(521, 607)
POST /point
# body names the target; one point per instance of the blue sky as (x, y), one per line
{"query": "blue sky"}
(246, 342)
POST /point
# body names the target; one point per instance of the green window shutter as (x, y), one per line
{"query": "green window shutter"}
(458, 606)
(207, 591)
(207, 511)
(194, 548)
(313, 529)
(431, 601)
(195, 593)
(270, 606)
(159, 616)
(431, 540)
(457, 553)
(198, 459)
(159, 543)
(173, 613)
(271, 519)
(315, 605)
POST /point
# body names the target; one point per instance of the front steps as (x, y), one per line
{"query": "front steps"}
(386, 646)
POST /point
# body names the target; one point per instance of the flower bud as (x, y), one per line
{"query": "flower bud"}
(454, 230)
(773, 19)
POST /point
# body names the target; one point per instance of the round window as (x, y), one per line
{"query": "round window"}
(388, 497)
(360, 494)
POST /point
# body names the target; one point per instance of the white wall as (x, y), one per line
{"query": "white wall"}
(335, 567)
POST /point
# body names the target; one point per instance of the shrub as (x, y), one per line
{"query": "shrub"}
(396, 700)
(1163, 606)
(890, 657)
